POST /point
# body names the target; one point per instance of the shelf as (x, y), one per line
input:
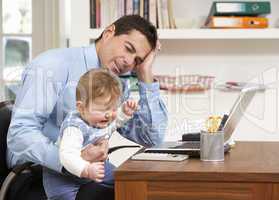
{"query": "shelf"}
(172, 34)
(219, 33)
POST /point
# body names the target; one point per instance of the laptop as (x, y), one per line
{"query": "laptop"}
(192, 148)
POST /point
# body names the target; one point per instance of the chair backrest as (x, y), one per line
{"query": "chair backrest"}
(5, 118)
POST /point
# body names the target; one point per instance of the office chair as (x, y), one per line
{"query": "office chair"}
(25, 181)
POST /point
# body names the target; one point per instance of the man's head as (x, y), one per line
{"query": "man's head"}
(98, 92)
(125, 44)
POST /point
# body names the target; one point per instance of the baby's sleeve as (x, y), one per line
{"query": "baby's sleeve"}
(70, 150)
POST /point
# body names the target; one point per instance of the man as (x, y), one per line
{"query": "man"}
(48, 87)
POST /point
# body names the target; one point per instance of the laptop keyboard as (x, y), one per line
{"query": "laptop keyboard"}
(188, 145)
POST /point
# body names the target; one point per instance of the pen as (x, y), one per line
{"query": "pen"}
(213, 123)
(222, 124)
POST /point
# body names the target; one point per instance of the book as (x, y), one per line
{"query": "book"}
(120, 8)
(165, 14)
(236, 22)
(105, 15)
(146, 9)
(152, 12)
(129, 7)
(171, 16)
(159, 14)
(240, 8)
(136, 7)
(92, 5)
(141, 7)
(98, 13)
(113, 10)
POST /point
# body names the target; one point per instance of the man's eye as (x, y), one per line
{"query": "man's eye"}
(129, 49)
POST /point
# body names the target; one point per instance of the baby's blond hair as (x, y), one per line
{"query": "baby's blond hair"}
(98, 83)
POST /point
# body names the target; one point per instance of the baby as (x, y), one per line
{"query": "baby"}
(98, 115)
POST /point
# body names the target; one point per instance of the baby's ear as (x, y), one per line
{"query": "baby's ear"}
(80, 106)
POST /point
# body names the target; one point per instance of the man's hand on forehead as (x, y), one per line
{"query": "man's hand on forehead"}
(144, 70)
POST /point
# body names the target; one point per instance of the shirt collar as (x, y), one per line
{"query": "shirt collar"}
(91, 57)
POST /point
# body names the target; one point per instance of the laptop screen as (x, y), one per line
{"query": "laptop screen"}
(238, 110)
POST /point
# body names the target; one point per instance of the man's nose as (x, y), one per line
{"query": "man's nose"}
(130, 60)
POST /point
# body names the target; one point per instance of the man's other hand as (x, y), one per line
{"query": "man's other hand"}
(96, 152)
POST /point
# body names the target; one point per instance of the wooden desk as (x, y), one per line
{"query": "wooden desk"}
(250, 172)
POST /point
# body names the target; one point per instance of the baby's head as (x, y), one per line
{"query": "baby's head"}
(97, 95)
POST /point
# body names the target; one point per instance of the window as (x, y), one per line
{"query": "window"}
(27, 27)
(16, 37)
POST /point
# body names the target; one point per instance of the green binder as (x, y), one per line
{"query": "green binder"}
(240, 8)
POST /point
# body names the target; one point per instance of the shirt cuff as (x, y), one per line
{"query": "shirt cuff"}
(149, 88)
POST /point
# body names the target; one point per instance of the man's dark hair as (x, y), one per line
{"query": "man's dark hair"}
(127, 23)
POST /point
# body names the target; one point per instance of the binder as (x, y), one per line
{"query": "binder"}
(236, 22)
(240, 8)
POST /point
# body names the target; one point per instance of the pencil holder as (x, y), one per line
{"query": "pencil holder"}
(212, 146)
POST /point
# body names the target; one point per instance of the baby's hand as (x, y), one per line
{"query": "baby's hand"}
(94, 171)
(130, 106)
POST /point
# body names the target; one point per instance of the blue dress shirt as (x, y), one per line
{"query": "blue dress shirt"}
(47, 93)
